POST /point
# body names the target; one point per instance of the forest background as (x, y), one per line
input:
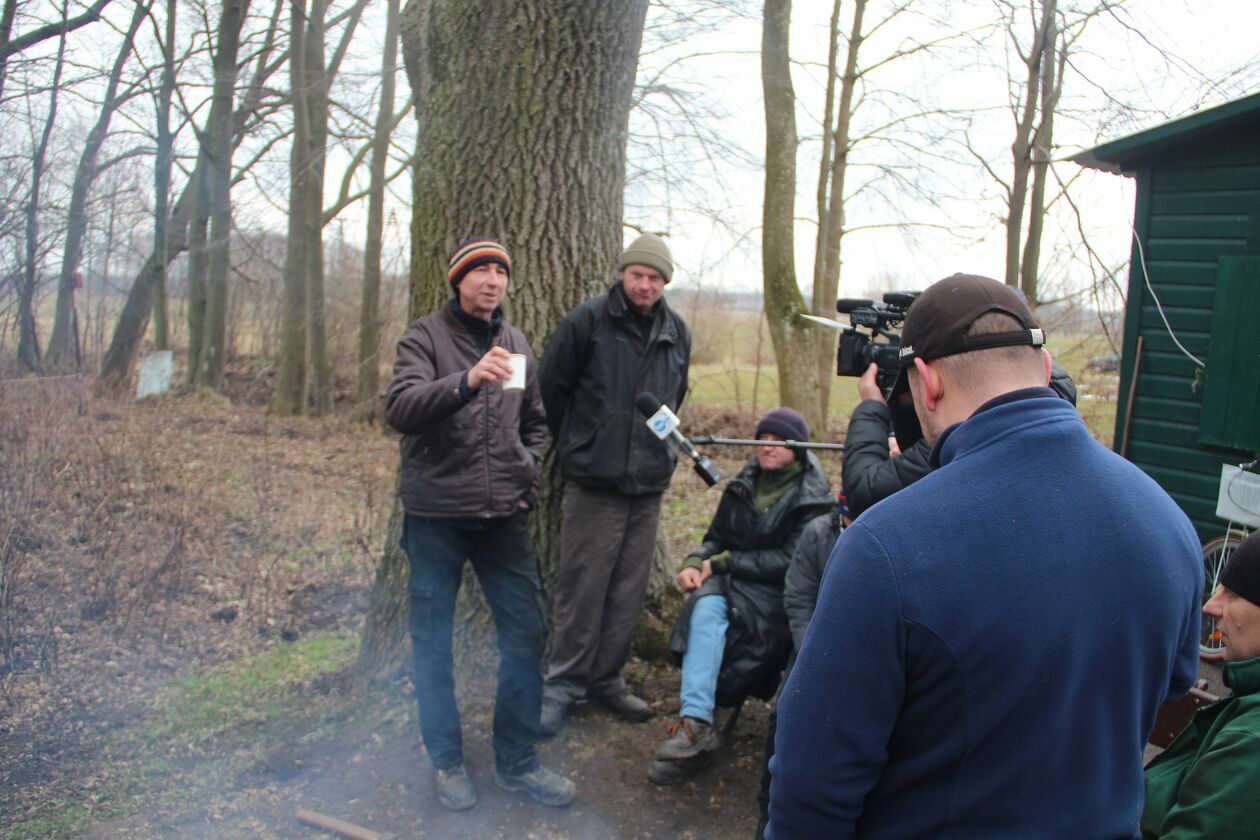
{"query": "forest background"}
(237, 183)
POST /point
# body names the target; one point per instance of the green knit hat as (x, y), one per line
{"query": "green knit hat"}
(650, 250)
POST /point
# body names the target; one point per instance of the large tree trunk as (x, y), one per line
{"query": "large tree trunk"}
(217, 138)
(316, 91)
(794, 341)
(526, 143)
(369, 363)
(63, 346)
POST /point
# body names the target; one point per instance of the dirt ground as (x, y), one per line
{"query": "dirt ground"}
(373, 773)
(148, 542)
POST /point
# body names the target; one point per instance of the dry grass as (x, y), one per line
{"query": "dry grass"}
(140, 539)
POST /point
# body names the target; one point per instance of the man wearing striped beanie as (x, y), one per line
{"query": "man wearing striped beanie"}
(471, 450)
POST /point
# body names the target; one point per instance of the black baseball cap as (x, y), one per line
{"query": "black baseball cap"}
(937, 323)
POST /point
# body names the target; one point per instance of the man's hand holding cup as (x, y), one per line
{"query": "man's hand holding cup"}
(495, 366)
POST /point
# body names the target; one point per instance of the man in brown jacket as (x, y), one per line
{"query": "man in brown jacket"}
(471, 450)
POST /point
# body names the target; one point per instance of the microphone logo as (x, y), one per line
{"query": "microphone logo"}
(663, 422)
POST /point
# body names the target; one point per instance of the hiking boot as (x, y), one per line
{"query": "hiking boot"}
(677, 772)
(627, 707)
(552, 717)
(692, 737)
(455, 790)
(540, 785)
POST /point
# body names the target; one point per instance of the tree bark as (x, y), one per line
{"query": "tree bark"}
(217, 140)
(794, 341)
(63, 344)
(369, 362)
(290, 391)
(163, 156)
(525, 143)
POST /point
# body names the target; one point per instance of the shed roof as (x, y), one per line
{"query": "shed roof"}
(1118, 156)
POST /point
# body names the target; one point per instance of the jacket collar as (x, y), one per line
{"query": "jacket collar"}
(619, 310)
(478, 327)
(1243, 676)
(995, 417)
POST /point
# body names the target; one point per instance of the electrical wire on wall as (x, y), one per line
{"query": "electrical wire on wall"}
(1146, 277)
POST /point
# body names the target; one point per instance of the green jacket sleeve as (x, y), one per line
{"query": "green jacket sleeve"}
(1218, 796)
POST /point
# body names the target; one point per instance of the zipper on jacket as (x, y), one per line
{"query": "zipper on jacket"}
(485, 443)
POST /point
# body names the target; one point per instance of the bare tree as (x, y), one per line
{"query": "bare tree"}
(28, 340)
(794, 344)
(163, 154)
(303, 370)
(206, 361)
(133, 321)
(369, 314)
(11, 46)
(64, 344)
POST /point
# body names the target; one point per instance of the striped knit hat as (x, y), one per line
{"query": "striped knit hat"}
(478, 250)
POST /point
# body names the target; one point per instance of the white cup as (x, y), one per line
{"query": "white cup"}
(516, 382)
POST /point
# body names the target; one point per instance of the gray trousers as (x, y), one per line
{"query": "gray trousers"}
(606, 545)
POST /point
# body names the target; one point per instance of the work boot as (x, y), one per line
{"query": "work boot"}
(692, 737)
(627, 707)
(551, 720)
(540, 785)
(455, 790)
(677, 772)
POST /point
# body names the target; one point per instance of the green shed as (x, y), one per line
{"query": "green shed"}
(1189, 399)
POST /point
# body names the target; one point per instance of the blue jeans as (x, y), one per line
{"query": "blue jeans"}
(507, 568)
(706, 641)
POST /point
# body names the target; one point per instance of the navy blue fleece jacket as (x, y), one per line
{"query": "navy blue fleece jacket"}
(991, 644)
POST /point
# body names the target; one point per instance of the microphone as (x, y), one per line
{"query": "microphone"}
(664, 424)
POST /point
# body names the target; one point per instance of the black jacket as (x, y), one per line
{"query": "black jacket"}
(804, 574)
(870, 475)
(759, 547)
(598, 360)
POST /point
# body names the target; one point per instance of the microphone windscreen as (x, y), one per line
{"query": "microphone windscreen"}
(647, 403)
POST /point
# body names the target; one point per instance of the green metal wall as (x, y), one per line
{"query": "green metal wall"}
(1195, 203)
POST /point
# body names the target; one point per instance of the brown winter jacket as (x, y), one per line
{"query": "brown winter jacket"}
(463, 454)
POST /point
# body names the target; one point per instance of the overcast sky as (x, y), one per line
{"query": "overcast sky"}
(1205, 42)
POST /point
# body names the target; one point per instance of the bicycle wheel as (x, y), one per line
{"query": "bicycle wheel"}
(1216, 554)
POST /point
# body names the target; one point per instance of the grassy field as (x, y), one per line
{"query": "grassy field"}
(733, 368)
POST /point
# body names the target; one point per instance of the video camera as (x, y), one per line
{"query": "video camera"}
(858, 350)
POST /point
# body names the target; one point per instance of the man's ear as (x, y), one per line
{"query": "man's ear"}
(930, 383)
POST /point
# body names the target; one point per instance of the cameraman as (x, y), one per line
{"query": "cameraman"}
(870, 472)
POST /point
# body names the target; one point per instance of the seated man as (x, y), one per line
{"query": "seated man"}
(733, 632)
(1205, 784)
